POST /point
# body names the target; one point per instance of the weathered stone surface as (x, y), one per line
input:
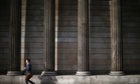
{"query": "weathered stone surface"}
(116, 39)
(67, 34)
(49, 38)
(72, 79)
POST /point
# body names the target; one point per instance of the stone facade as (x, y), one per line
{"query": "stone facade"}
(66, 35)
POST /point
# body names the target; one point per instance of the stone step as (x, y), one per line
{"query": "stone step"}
(73, 79)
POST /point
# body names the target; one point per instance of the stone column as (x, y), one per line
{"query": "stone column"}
(15, 37)
(116, 39)
(49, 37)
(83, 38)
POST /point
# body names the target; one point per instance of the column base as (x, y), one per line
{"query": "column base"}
(13, 73)
(83, 73)
(116, 73)
(48, 73)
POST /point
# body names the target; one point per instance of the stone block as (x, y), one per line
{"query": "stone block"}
(100, 67)
(66, 40)
(70, 56)
(100, 3)
(67, 12)
(67, 23)
(35, 2)
(33, 40)
(100, 13)
(100, 8)
(37, 12)
(100, 62)
(34, 23)
(67, 62)
(100, 28)
(32, 28)
(35, 18)
(99, 35)
(67, 34)
(66, 67)
(36, 67)
(67, 18)
(67, 51)
(67, 45)
(100, 51)
(67, 29)
(32, 45)
(32, 50)
(32, 34)
(98, 40)
(67, 2)
(82, 80)
(100, 45)
(34, 55)
(94, 56)
(67, 7)
(35, 7)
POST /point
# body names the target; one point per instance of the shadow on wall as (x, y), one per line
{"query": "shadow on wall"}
(4, 36)
(131, 36)
(47, 79)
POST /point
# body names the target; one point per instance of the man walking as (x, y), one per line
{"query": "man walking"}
(27, 72)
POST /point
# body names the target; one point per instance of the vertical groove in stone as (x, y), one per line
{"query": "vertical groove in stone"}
(83, 35)
(116, 37)
(15, 34)
(49, 34)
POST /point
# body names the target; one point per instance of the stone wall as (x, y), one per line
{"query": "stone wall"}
(131, 35)
(4, 35)
(32, 33)
(66, 35)
(100, 36)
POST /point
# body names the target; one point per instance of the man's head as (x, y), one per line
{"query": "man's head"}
(27, 61)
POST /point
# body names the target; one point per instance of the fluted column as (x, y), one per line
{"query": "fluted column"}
(15, 37)
(83, 38)
(116, 39)
(49, 37)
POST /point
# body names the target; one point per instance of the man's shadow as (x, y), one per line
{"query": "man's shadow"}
(47, 79)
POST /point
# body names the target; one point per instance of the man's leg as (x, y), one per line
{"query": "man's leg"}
(26, 81)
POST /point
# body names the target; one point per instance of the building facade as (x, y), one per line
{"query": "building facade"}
(70, 36)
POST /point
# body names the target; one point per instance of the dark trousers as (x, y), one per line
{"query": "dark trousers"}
(27, 78)
(29, 81)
